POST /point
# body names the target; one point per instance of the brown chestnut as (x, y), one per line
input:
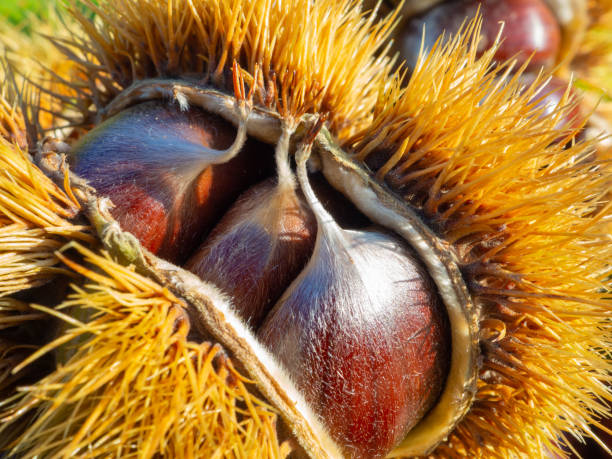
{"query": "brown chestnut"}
(530, 31)
(161, 167)
(257, 249)
(363, 334)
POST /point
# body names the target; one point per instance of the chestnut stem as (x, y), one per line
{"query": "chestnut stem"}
(323, 217)
(286, 180)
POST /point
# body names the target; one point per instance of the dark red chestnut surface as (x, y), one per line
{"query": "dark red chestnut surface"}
(363, 334)
(154, 162)
(365, 338)
(587, 448)
(530, 27)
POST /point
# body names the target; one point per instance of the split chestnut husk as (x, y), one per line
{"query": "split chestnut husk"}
(402, 342)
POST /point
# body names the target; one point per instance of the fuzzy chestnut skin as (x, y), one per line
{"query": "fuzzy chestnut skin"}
(530, 28)
(365, 337)
(154, 162)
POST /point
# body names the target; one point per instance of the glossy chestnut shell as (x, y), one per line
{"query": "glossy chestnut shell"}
(156, 163)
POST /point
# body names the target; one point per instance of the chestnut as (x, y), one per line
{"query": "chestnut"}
(363, 333)
(530, 31)
(355, 320)
(160, 167)
(257, 249)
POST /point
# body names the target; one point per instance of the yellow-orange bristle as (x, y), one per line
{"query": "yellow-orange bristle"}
(34, 222)
(320, 62)
(32, 57)
(14, 312)
(12, 124)
(131, 381)
(592, 70)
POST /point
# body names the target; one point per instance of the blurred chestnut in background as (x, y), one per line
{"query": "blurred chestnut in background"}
(551, 97)
(530, 30)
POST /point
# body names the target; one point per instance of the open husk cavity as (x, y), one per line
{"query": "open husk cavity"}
(145, 359)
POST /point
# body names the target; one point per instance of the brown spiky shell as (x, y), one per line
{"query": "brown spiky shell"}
(527, 220)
